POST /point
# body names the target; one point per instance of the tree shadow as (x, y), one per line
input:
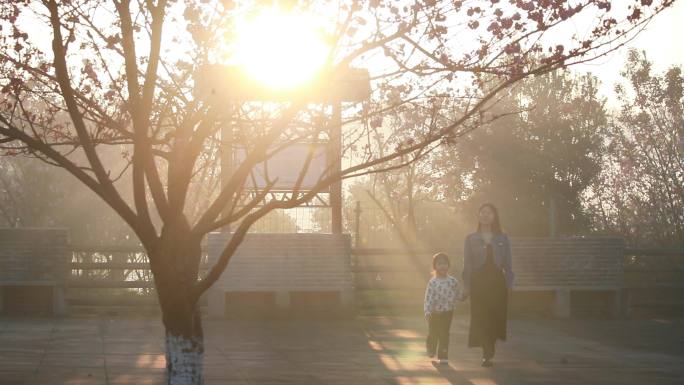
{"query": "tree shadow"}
(451, 374)
(399, 346)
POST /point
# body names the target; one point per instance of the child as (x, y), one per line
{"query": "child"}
(440, 296)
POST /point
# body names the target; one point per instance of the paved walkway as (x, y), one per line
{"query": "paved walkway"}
(366, 351)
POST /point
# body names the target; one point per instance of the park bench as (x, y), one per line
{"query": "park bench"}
(567, 265)
(284, 272)
(562, 266)
(291, 271)
(32, 271)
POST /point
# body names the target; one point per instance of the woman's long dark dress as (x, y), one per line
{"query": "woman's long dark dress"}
(488, 305)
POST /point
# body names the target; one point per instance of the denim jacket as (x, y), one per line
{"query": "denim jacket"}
(474, 256)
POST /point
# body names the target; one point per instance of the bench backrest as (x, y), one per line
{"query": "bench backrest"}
(33, 255)
(290, 262)
(573, 262)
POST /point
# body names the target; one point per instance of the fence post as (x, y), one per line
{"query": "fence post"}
(357, 227)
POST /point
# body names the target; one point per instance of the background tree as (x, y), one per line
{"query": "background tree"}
(408, 206)
(35, 194)
(640, 194)
(121, 75)
(396, 193)
(277, 221)
(547, 155)
(548, 152)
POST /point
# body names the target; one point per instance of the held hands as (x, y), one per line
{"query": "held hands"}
(428, 316)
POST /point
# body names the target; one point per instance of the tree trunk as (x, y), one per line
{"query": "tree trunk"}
(185, 355)
(175, 265)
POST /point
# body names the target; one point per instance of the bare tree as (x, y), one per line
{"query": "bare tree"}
(640, 194)
(401, 193)
(120, 75)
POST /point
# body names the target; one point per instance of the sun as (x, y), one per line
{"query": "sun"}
(281, 50)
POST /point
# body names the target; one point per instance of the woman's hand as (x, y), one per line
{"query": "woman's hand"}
(428, 316)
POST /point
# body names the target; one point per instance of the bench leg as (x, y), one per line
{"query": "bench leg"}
(621, 304)
(59, 305)
(348, 302)
(282, 300)
(347, 298)
(561, 305)
(216, 301)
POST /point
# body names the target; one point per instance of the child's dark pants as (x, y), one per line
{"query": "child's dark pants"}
(438, 334)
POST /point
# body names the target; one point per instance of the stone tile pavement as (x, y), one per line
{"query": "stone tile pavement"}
(377, 350)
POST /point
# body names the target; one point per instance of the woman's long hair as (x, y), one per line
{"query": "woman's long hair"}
(496, 224)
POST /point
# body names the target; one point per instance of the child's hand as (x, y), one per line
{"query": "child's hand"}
(428, 316)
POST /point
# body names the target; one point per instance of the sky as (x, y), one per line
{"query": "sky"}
(663, 41)
(660, 40)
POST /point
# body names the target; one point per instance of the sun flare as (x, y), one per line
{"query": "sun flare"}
(280, 50)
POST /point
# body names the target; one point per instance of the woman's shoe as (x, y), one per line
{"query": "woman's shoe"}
(487, 363)
(444, 361)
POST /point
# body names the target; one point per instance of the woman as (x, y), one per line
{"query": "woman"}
(487, 278)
